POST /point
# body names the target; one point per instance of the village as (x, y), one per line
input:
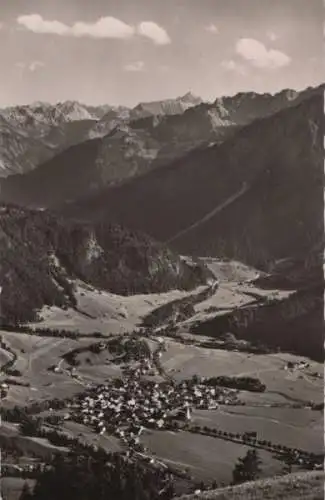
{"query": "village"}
(142, 400)
(126, 407)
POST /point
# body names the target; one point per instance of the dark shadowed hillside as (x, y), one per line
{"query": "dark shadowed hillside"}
(129, 150)
(21, 151)
(41, 255)
(298, 271)
(283, 324)
(258, 197)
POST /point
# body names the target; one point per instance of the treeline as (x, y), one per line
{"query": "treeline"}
(178, 309)
(49, 332)
(297, 455)
(240, 383)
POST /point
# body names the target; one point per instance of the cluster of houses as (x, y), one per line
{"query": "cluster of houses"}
(125, 407)
(145, 366)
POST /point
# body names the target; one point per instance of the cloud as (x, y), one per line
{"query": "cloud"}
(30, 66)
(259, 56)
(37, 24)
(104, 27)
(212, 28)
(154, 32)
(136, 66)
(231, 65)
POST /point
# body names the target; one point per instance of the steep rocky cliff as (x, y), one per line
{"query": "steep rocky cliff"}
(41, 255)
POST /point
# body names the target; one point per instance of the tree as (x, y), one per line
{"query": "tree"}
(289, 462)
(195, 379)
(31, 426)
(85, 478)
(247, 468)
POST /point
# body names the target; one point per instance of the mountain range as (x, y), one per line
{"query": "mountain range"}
(51, 128)
(218, 179)
(132, 141)
(244, 201)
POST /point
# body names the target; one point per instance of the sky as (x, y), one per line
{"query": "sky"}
(129, 51)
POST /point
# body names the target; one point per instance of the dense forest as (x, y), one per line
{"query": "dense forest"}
(42, 255)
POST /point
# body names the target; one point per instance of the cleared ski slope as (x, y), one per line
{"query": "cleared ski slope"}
(211, 214)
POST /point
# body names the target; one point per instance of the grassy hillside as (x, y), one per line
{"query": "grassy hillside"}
(304, 486)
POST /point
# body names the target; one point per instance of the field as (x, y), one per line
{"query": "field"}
(34, 357)
(303, 486)
(299, 428)
(205, 457)
(29, 446)
(11, 487)
(230, 295)
(231, 270)
(183, 361)
(105, 312)
(109, 443)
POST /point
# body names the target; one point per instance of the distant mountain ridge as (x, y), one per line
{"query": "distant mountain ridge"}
(133, 147)
(41, 130)
(186, 122)
(246, 107)
(58, 126)
(166, 107)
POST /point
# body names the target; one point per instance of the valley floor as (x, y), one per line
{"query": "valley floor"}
(282, 415)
